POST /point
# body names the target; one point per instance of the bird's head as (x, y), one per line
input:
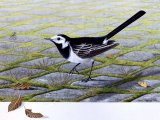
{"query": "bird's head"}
(59, 39)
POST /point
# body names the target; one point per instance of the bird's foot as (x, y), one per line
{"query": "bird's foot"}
(72, 71)
(86, 80)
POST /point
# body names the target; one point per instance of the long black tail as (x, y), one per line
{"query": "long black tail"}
(125, 24)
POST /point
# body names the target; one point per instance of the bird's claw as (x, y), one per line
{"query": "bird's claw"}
(71, 72)
(86, 80)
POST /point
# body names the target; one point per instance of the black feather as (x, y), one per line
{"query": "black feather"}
(87, 50)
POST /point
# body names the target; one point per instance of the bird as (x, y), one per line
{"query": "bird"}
(81, 50)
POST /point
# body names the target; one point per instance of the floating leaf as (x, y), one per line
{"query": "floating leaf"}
(22, 86)
(15, 104)
(143, 84)
(30, 114)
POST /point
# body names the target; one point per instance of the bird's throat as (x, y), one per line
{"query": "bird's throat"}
(64, 51)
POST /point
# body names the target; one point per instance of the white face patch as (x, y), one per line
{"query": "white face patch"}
(60, 40)
(64, 45)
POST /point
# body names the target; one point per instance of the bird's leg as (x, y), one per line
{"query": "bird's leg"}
(74, 69)
(89, 78)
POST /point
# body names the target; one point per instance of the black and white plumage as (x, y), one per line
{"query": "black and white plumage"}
(82, 50)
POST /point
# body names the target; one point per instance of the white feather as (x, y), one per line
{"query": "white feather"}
(75, 59)
(65, 44)
(61, 41)
(105, 41)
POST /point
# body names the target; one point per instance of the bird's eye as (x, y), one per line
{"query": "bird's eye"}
(58, 38)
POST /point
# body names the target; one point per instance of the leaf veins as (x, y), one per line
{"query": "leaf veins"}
(30, 114)
(15, 104)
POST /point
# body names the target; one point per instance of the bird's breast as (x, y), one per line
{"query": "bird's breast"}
(76, 59)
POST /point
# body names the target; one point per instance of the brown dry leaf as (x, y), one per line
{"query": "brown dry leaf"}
(143, 84)
(30, 114)
(22, 86)
(15, 104)
(110, 56)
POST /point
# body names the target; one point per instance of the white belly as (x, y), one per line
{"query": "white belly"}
(75, 59)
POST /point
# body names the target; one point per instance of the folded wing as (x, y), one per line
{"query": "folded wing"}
(85, 50)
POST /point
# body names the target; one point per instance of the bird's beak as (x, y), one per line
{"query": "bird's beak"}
(48, 39)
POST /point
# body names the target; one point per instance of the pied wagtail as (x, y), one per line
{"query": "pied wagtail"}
(82, 49)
